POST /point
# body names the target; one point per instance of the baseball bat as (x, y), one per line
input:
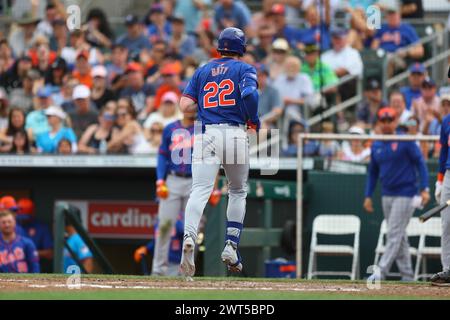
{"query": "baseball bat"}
(432, 212)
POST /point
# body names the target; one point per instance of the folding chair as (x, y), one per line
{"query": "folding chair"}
(334, 225)
(414, 229)
(431, 228)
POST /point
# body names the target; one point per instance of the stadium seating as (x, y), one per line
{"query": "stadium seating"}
(430, 229)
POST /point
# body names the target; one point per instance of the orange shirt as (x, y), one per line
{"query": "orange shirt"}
(162, 90)
(86, 79)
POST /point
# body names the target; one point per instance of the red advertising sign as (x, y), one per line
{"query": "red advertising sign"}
(121, 220)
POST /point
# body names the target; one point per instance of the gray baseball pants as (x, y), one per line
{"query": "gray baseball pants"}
(220, 145)
(168, 211)
(397, 212)
(445, 217)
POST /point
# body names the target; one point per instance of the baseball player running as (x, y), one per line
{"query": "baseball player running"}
(225, 93)
(397, 164)
(442, 194)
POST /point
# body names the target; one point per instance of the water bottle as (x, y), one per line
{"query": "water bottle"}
(103, 148)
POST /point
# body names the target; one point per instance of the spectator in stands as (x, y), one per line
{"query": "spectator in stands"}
(232, 13)
(155, 136)
(100, 93)
(137, 90)
(206, 48)
(428, 105)
(416, 77)
(344, 60)
(55, 75)
(6, 55)
(78, 44)
(320, 73)
(292, 9)
(41, 56)
(277, 17)
(37, 231)
(65, 147)
(355, 150)
(63, 98)
(168, 111)
(159, 28)
(45, 26)
(82, 71)
(23, 97)
(395, 35)
(21, 252)
(317, 30)
(59, 39)
(118, 65)
(263, 42)
(85, 112)
(13, 78)
(134, 40)
(16, 122)
(412, 9)
(277, 57)
(397, 102)
(36, 120)
(154, 60)
(270, 106)
(78, 248)
(432, 125)
(367, 110)
(21, 143)
(191, 11)
(170, 82)
(131, 135)
(360, 34)
(181, 43)
(296, 90)
(22, 39)
(310, 147)
(99, 134)
(47, 142)
(328, 148)
(97, 29)
(4, 109)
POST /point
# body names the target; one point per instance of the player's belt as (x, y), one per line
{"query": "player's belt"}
(233, 124)
(181, 174)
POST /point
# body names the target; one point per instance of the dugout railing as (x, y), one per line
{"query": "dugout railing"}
(300, 176)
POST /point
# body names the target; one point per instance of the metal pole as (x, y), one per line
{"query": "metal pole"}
(267, 225)
(58, 259)
(299, 217)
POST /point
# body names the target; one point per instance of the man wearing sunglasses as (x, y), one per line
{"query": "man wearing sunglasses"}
(396, 164)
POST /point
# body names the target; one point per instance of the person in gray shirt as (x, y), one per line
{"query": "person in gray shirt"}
(269, 105)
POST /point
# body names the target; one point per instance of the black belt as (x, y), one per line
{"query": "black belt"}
(181, 174)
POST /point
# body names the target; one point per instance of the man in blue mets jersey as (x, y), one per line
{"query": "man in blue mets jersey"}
(17, 253)
(225, 93)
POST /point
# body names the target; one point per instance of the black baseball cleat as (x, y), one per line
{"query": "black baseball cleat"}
(441, 279)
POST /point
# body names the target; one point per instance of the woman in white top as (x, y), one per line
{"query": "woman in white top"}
(131, 136)
(355, 150)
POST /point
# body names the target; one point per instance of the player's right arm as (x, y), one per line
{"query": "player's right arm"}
(32, 257)
(443, 156)
(371, 183)
(163, 164)
(248, 86)
(188, 102)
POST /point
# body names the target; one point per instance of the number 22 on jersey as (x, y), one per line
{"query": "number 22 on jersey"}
(223, 89)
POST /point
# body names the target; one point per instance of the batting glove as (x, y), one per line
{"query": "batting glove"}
(214, 199)
(161, 189)
(256, 125)
(438, 191)
(139, 253)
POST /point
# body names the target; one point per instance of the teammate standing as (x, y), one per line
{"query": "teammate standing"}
(442, 194)
(397, 165)
(224, 91)
(173, 185)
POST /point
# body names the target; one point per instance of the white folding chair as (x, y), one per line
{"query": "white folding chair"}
(431, 228)
(334, 225)
(413, 229)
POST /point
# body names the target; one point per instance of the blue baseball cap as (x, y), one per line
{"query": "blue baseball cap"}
(417, 68)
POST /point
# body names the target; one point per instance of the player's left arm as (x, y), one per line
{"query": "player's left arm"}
(188, 101)
(248, 86)
(418, 159)
(32, 257)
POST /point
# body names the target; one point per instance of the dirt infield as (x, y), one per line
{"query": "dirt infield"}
(46, 283)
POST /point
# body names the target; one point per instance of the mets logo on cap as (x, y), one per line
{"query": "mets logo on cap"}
(394, 146)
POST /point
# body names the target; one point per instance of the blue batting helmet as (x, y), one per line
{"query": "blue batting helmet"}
(232, 40)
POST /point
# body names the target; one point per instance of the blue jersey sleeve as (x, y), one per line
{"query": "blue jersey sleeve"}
(372, 176)
(163, 155)
(417, 158)
(82, 251)
(444, 146)
(248, 86)
(32, 257)
(46, 241)
(192, 88)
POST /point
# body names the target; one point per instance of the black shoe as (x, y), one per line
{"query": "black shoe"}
(441, 279)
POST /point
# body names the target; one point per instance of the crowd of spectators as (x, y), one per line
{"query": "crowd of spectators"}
(95, 90)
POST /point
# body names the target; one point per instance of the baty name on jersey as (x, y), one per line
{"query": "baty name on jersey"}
(221, 69)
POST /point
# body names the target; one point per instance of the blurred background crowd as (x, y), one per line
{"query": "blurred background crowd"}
(111, 89)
